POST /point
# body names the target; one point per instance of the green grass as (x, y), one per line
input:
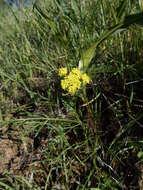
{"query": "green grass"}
(58, 147)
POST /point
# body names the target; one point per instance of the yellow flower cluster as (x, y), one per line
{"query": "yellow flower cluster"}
(74, 80)
(63, 71)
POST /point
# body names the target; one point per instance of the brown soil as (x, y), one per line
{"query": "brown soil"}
(19, 157)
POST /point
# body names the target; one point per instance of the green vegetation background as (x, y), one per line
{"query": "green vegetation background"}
(101, 149)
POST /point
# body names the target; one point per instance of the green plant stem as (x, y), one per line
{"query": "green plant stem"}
(91, 122)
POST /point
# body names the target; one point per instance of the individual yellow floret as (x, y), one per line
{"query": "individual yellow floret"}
(77, 83)
(85, 78)
(62, 72)
(72, 90)
(76, 71)
(74, 80)
(72, 77)
(64, 84)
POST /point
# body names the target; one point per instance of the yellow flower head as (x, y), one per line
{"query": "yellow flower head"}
(85, 78)
(73, 81)
(62, 72)
(76, 71)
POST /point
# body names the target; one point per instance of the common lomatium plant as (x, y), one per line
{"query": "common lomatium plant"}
(74, 80)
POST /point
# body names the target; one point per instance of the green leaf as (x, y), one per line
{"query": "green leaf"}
(87, 56)
(133, 19)
(140, 154)
(89, 53)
